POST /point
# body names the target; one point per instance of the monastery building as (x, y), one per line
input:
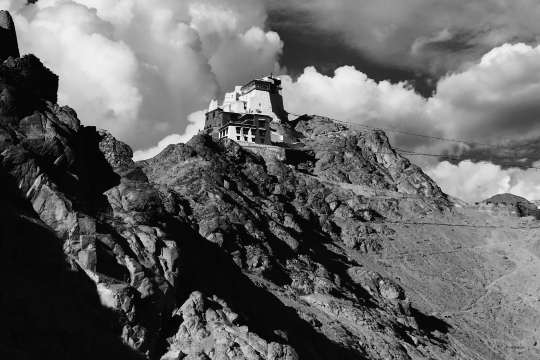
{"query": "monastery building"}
(247, 112)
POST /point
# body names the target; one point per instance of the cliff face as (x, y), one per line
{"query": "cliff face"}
(208, 250)
(8, 37)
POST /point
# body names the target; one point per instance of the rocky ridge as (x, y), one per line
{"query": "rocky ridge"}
(509, 204)
(208, 250)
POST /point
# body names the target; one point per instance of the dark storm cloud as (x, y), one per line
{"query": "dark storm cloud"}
(306, 45)
(432, 36)
(513, 154)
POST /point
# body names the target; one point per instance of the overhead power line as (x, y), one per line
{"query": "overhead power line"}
(403, 132)
(413, 153)
(459, 141)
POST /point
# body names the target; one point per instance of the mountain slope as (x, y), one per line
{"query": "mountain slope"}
(289, 227)
(215, 251)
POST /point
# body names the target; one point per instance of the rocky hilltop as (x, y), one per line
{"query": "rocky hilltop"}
(328, 249)
(510, 204)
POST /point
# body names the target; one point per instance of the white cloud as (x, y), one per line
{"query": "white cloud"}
(139, 68)
(351, 96)
(12, 5)
(195, 123)
(233, 61)
(99, 74)
(493, 100)
(478, 181)
(162, 144)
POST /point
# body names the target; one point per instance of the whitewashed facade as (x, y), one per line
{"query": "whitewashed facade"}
(250, 128)
(261, 96)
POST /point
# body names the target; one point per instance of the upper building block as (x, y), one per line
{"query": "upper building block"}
(260, 96)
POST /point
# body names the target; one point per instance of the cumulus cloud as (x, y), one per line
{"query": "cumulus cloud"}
(98, 74)
(351, 96)
(433, 35)
(496, 97)
(478, 181)
(493, 100)
(237, 50)
(139, 68)
(195, 123)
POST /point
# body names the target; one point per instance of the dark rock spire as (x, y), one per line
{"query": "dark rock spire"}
(8, 37)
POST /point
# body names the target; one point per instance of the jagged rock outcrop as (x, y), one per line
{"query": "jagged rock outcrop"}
(61, 169)
(210, 330)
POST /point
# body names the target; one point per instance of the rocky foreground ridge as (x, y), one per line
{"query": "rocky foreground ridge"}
(208, 250)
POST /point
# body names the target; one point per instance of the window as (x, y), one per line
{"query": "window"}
(238, 131)
(262, 123)
(238, 138)
(245, 138)
(245, 131)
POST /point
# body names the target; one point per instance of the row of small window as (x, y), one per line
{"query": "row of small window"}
(246, 138)
(245, 131)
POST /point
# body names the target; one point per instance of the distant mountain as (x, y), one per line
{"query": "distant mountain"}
(509, 199)
(520, 205)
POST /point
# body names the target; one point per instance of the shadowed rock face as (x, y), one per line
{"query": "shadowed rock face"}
(50, 309)
(8, 37)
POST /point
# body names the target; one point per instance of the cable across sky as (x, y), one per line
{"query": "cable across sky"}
(436, 138)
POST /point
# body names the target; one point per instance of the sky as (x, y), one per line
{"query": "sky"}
(461, 69)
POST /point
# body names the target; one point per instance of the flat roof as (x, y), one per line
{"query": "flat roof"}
(273, 82)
